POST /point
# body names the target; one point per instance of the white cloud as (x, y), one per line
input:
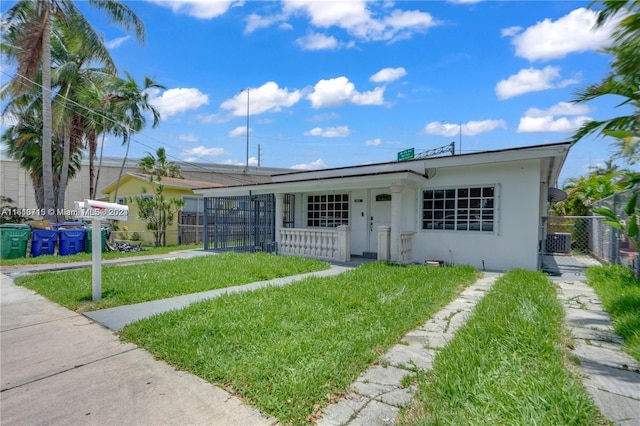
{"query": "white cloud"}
(317, 41)
(268, 97)
(238, 131)
(318, 164)
(388, 74)
(340, 91)
(253, 161)
(256, 22)
(531, 80)
(188, 138)
(470, 128)
(174, 101)
(550, 124)
(574, 32)
(561, 108)
(202, 150)
(538, 120)
(510, 31)
(329, 132)
(357, 18)
(116, 42)
(373, 142)
(201, 9)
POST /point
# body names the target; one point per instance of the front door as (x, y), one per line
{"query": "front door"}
(379, 214)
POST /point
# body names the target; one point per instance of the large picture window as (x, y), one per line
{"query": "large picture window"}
(459, 209)
(327, 211)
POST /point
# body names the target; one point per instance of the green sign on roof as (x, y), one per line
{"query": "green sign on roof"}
(407, 154)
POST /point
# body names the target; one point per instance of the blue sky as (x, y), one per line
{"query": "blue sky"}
(338, 83)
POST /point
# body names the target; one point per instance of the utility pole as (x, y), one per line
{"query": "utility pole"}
(460, 142)
(259, 155)
(247, 157)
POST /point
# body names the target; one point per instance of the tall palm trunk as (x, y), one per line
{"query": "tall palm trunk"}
(64, 173)
(93, 147)
(95, 185)
(47, 132)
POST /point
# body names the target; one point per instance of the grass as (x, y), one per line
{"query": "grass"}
(289, 351)
(86, 257)
(619, 291)
(506, 365)
(124, 285)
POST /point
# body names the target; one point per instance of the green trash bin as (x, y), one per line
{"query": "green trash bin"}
(88, 240)
(13, 240)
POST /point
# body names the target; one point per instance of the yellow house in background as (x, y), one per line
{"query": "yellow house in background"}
(133, 184)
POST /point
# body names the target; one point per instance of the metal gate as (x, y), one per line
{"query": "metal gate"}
(239, 223)
(570, 244)
(245, 223)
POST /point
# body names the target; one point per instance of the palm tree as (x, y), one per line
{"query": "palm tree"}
(623, 81)
(30, 24)
(73, 54)
(130, 103)
(159, 166)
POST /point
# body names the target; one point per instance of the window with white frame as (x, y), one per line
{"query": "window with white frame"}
(327, 210)
(459, 209)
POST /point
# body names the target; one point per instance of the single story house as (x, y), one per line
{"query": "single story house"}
(134, 184)
(482, 209)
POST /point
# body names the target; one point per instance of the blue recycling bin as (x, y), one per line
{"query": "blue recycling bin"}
(43, 241)
(70, 238)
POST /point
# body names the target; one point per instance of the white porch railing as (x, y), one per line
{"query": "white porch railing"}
(326, 244)
(406, 252)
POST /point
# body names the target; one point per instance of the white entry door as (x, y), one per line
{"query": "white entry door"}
(379, 214)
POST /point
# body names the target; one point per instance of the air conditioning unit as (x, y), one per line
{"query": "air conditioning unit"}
(558, 242)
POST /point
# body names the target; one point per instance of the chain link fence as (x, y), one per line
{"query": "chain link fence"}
(573, 243)
(624, 252)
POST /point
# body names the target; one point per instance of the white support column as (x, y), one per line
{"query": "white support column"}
(344, 246)
(279, 216)
(383, 242)
(396, 223)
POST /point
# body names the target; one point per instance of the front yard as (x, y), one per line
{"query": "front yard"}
(289, 351)
(125, 285)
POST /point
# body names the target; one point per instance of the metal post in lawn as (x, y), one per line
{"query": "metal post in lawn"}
(97, 212)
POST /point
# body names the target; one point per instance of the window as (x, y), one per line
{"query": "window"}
(327, 211)
(193, 204)
(460, 209)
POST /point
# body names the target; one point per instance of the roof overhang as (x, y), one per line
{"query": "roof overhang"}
(551, 157)
(333, 183)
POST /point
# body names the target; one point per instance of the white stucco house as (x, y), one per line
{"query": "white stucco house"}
(482, 209)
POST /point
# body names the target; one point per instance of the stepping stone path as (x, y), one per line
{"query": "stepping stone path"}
(376, 397)
(611, 376)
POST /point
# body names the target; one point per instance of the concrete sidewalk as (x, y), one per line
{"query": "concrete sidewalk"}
(60, 368)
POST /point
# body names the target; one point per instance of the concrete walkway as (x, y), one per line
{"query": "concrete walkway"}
(376, 397)
(611, 376)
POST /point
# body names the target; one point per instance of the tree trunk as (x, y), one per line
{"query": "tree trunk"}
(47, 131)
(95, 185)
(64, 172)
(92, 146)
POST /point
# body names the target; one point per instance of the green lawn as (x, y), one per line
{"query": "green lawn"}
(87, 257)
(619, 291)
(124, 285)
(289, 351)
(508, 365)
